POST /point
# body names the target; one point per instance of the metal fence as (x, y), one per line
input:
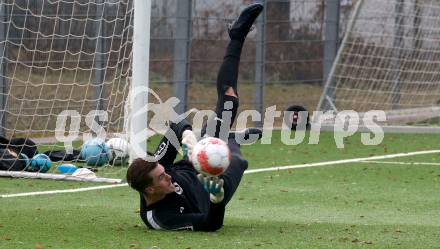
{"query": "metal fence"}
(284, 62)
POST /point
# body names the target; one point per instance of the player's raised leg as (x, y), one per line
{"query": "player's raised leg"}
(227, 91)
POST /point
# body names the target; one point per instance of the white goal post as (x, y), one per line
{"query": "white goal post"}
(389, 60)
(77, 57)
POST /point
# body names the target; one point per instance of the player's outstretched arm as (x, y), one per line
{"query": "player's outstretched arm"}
(166, 149)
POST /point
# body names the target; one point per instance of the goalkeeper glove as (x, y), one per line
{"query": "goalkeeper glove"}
(179, 128)
(214, 186)
(189, 140)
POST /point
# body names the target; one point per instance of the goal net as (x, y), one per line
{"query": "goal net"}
(66, 67)
(389, 60)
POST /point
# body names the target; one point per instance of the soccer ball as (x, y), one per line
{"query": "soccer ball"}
(119, 149)
(211, 156)
(41, 163)
(95, 152)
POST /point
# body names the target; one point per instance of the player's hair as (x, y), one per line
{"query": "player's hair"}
(138, 174)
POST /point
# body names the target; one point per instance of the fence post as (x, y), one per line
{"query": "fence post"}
(260, 62)
(397, 53)
(331, 40)
(100, 55)
(3, 66)
(182, 53)
(326, 101)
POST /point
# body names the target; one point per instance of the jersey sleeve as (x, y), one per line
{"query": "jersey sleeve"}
(167, 152)
(167, 149)
(172, 219)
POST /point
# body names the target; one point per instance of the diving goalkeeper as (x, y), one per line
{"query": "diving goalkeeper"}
(173, 196)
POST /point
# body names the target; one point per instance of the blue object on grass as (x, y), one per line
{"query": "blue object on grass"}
(67, 168)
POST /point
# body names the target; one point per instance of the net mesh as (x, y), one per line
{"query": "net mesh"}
(389, 61)
(58, 56)
(63, 55)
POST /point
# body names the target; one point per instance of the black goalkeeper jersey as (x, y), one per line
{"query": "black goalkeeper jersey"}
(189, 207)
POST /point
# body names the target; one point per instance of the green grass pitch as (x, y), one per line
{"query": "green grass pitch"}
(394, 204)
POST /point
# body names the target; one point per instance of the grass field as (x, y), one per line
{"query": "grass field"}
(389, 203)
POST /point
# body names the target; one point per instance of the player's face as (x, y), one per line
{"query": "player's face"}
(162, 181)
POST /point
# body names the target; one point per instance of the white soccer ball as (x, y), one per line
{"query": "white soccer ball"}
(211, 156)
(119, 150)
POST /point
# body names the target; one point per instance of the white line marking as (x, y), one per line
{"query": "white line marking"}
(50, 176)
(403, 163)
(65, 190)
(297, 166)
(354, 160)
